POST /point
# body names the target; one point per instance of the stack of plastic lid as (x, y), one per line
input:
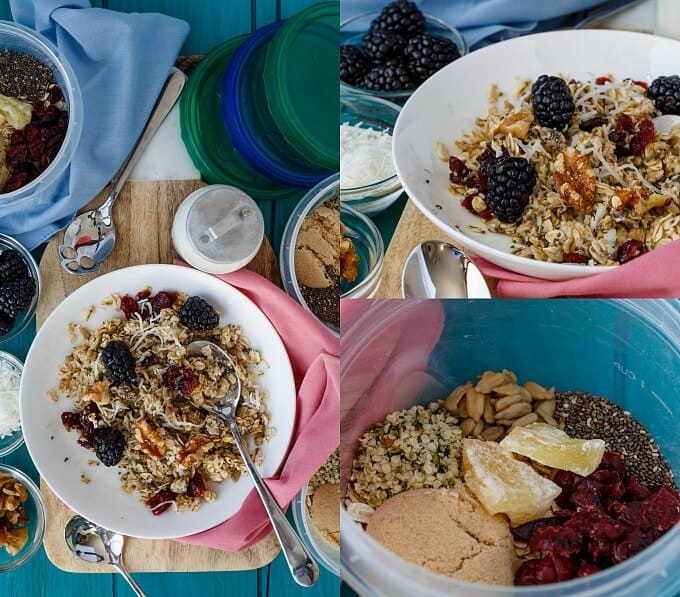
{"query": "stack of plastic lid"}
(259, 112)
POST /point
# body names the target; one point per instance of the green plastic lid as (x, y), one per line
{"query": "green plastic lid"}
(301, 77)
(206, 137)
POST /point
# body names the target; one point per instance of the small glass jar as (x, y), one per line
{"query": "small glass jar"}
(10, 443)
(368, 244)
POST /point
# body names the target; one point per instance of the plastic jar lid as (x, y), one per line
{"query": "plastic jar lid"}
(205, 136)
(251, 127)
(301, 82)
(218, 229)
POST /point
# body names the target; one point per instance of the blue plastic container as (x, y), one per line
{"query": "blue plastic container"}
(252, 128)
(398, 353)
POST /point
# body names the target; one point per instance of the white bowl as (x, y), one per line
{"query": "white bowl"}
(447, 104)
(103, 501)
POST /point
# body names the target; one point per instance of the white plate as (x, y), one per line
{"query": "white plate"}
(447, 104)
(103, 501)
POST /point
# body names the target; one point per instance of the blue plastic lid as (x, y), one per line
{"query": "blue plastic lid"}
(252, 128)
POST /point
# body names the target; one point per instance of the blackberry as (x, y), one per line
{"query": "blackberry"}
(391, 76)
(15, 295)
(426, 54)
(511, 181)
(382, 45)
(109, 445)
(553, 102)
(353, 64)
(6, 324)
(12, 265)
(198, 314)
(401, 17)
(665, 91)
(119, 362)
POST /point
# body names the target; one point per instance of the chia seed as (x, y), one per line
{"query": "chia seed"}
(324, 302)
(586, 416)
(23, 76)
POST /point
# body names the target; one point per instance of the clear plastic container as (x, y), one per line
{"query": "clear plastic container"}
(321, 550)
(13, 441)
(325, 190)
(25, 317)
(377, 114)
(35, 507)
(36, 193)
(369, 246)
(352, 31)
(398, 353)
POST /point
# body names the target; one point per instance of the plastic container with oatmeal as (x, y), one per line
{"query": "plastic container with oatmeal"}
(631, 350)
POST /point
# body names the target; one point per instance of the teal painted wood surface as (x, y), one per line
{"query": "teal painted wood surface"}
(211, 22)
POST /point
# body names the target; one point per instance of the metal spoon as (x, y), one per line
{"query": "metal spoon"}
(301, 564)
(437, 269)
(90, 238)
(94, 544)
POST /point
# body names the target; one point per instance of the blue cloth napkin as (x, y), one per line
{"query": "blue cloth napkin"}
(121, 62)
(483, 21)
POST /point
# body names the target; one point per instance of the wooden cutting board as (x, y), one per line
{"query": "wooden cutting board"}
(413, 228)
(143, 215)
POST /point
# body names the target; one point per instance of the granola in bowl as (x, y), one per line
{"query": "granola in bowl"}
(139, 399)
(572, 171)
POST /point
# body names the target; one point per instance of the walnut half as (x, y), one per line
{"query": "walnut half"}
(151, 442)
(98, 393)
(575, 180)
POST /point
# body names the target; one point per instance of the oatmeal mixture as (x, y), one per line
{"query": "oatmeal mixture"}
(573, 171)
(138, 398)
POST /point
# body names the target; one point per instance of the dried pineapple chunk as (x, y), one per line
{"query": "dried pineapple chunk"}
(553, 447)
(503, 484)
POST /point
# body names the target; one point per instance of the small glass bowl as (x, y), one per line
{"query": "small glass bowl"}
(325, 190)
(352, 31)
(321, 550)
(369, 246)
(378, 114)
(35, 508)
(10, 443)
(24, 318)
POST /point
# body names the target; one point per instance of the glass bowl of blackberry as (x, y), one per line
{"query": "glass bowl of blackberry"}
(368, 179)
(19, 287)
(391, 53)
(22, 518)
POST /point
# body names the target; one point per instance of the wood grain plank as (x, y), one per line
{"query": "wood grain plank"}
(212, 21)
(143, 215)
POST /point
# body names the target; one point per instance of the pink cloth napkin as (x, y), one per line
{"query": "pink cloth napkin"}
(315, 356)
(652, 275)
(388, 373)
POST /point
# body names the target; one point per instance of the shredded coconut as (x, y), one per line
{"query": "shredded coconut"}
(9, 399)
(365, 156)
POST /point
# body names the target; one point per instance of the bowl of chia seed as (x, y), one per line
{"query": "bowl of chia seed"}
(41, 115)
(309, 256)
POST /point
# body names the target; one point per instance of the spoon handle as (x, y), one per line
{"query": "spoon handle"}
(128, 577)
(302, 566)
(168, 98)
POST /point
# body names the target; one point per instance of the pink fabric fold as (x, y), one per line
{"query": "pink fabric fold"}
(315, 357)
(652, 275)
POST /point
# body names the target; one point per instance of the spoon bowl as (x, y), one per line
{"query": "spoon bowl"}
(664, 124)
(96, 545)
(302, 566)
(437, 269)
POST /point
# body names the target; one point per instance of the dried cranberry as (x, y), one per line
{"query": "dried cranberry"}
(55, 94)
(603, 80)
(662, 509)
(629, 250)
(485, 161)
(586, 569)
(525, 531)
(636, 490)
(630, 514)
(609, 482)
(613, 461)
(634, 542)
(70, 420)
(619, 136)
(196, 486)
(188, 383)
(86, 443)
(467, 204)
(143, 294)
(162, 300)
(642, 137)
(592, 123)
(568, 481)
(548, 569)
(575, 258)
(642, 84)
(459, 171)
(129, 306)
(88, 416)
(161, 501)
(561, 541)
(171, 377)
